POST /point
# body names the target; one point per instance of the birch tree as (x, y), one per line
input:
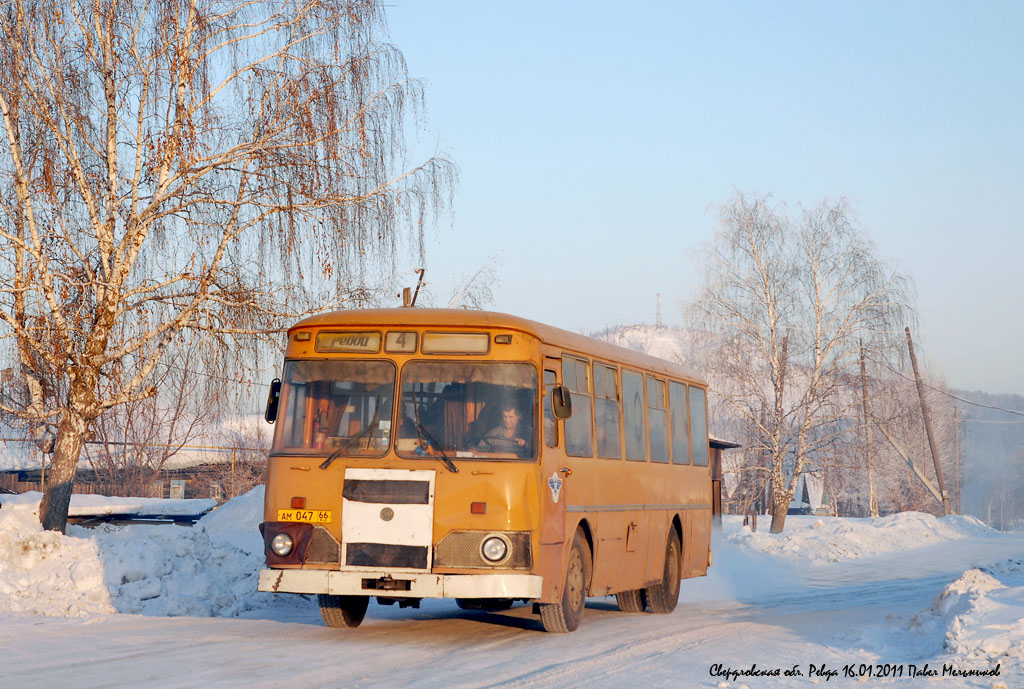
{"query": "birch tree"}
(182, 171)
(787, 300)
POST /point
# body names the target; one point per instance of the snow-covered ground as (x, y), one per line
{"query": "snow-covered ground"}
(171, 606)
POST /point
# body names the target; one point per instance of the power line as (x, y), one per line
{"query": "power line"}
(949, 394)
(1006, 423)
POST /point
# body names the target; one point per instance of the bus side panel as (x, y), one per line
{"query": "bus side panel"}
(700, 543)
(659, 528)
(621, 561)
(552, 531)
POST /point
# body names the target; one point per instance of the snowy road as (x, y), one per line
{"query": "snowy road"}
(752, 609)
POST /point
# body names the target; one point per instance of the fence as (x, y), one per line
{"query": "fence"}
(220, 471)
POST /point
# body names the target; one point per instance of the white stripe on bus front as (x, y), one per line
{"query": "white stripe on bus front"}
(393, 475)
(409, 525)
(361, 522)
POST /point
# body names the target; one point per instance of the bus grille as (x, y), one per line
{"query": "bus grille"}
(323, 549)
(386, 555)
(462, 549)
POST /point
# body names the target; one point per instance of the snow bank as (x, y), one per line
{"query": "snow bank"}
(209, 570)
(982, 617)
(43, 572)
(820, 540)
(236, 522)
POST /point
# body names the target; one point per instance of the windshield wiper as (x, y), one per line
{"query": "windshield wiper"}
(425, 436)
(349, 443)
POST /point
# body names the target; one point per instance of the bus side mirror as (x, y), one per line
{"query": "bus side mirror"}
(273, 400)
(561, 402)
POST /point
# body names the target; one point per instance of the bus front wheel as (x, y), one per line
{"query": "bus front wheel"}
(565, 615)
(342, 611)
(663, 596)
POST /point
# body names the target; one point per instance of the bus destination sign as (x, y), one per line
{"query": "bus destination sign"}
(366, 342)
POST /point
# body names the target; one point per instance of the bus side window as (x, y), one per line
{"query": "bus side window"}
(657, 420)
(607, 412)
(579, 428)
(633, 412)
(699, 427)
(550, 422)
(680, 429)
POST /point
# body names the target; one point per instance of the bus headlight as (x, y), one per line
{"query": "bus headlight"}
(494, 549)
(282, 544)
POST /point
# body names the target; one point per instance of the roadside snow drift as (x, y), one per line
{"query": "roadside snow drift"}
(819, 540)
(43, 572)
(982, 618)
(208, 570)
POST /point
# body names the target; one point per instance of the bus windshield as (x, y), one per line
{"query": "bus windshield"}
(336, 406)
(465, 409)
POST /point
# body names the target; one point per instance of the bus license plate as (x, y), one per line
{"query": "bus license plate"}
(305, 516)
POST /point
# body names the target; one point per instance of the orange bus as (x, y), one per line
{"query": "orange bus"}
(428, 453)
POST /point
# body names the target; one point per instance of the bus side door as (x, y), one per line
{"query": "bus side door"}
(553, 488)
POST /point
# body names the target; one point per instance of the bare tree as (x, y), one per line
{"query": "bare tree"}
(188, 171)
(787, 301)
(131, 443)
(477, 290)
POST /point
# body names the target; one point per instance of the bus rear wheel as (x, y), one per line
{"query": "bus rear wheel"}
(631, 601)
(663, 596)
(342, 611)
(565, 615)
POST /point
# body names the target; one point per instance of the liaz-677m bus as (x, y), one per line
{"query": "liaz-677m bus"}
(424, 453)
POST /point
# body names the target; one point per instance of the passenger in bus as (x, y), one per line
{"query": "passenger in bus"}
(508, 436)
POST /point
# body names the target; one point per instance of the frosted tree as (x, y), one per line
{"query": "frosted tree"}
(787, 300)
(187, 171)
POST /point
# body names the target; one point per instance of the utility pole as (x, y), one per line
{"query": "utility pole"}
(872, 498)
(928, 426)
(957, 468)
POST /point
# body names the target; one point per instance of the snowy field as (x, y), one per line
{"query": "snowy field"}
(169, 606)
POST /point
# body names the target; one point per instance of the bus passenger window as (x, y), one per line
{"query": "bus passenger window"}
(680, 429)
(633, 414)
(607, 412)
(699, 427)
(657, 420)
(579, 428)
(550, 422)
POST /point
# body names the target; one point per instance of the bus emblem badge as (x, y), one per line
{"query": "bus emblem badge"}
(555, 484)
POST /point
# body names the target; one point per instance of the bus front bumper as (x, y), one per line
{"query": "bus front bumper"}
(400, 584)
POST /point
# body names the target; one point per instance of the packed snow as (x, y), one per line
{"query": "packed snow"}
(170, 606)
(818, 540)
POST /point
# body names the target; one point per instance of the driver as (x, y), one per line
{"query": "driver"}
(507, 437)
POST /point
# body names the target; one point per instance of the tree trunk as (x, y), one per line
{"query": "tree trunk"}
(71, 435)
(779, 514)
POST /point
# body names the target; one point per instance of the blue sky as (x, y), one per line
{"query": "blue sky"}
(595, 138)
